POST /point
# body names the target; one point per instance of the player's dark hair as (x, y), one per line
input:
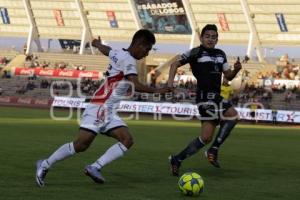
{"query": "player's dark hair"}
(209, 27)
(145, 36)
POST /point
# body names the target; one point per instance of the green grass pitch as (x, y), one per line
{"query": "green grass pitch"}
(258, 162)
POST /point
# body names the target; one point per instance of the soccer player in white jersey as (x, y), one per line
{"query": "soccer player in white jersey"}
(100, 115)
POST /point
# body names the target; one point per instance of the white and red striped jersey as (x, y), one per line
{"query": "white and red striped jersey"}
(114, 88)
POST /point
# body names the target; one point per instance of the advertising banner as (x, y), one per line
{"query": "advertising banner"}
(281, 22)
(18, 71)
(4, 15)
(184, 109)
(223, 22)
(163, 16)
(25, 101)
(59, 18)
(112, 19)
(69, 44)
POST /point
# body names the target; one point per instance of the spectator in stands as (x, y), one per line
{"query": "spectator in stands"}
(3, 61)
(75, 49)
(21, 89)
(24, 48)
(208, 64)
(163, 82)
(1, 90)
(254, 105)
(44, 84)
(44, 65)
(153, 77)
(246, 59)
(288, 97)
(30, 86)
(100, 115)
(226, 89)
(285, 58)
(6, 74)
(274, 116)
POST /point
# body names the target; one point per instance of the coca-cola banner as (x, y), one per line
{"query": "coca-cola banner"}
(69, 73)
(25, 101)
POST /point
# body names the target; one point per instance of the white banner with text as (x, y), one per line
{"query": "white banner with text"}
(186, 109)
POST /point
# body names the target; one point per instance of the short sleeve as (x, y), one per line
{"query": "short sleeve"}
(185, 57)
(225, 63)
(111, 53)
(129, 67)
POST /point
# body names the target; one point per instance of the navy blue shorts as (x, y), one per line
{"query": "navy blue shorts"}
(212, 106)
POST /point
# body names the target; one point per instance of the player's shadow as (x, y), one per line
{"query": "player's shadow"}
(218, 173)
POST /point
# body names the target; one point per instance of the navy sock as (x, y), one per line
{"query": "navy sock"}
(190, 150)
(223, 133)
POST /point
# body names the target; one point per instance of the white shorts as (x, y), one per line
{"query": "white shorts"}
(100, 120)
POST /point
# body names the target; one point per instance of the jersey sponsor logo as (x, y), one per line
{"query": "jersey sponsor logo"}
(210, 59)
(130, 67)
(220, 59)
(114, 59)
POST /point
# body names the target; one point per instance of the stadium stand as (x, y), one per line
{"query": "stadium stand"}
(90, 62)
(209, 12)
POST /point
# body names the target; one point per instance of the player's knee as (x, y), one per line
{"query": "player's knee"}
(206, 139)
(231, 114)
(127, 141)
(80, 146)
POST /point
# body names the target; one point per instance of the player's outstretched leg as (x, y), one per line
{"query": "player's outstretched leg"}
(192, 148)
(63, 152)
(41, 173)
(42, 166)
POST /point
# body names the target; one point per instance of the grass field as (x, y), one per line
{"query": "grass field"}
(258, 162)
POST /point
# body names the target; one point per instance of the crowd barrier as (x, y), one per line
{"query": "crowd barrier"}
(175, 109)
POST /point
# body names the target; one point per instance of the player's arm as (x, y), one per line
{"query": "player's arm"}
(143, 88)
(172, 72)
(230, 74)
(102, 48)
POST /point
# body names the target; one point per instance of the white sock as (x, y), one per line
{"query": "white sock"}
(61, 153)
(113, 153)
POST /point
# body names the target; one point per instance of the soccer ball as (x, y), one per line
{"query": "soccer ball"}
(191, 184)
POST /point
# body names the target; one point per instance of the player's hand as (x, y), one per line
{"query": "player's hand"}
(96, 42)
(237, 66)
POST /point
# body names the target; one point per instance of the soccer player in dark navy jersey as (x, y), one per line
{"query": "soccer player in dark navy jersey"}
(208, 64)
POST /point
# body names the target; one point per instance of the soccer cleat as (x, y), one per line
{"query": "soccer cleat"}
(212, 157)
(94, 173)
(175, 165)
(41, 173)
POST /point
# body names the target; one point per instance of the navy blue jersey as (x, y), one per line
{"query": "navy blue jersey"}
(207, 66)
